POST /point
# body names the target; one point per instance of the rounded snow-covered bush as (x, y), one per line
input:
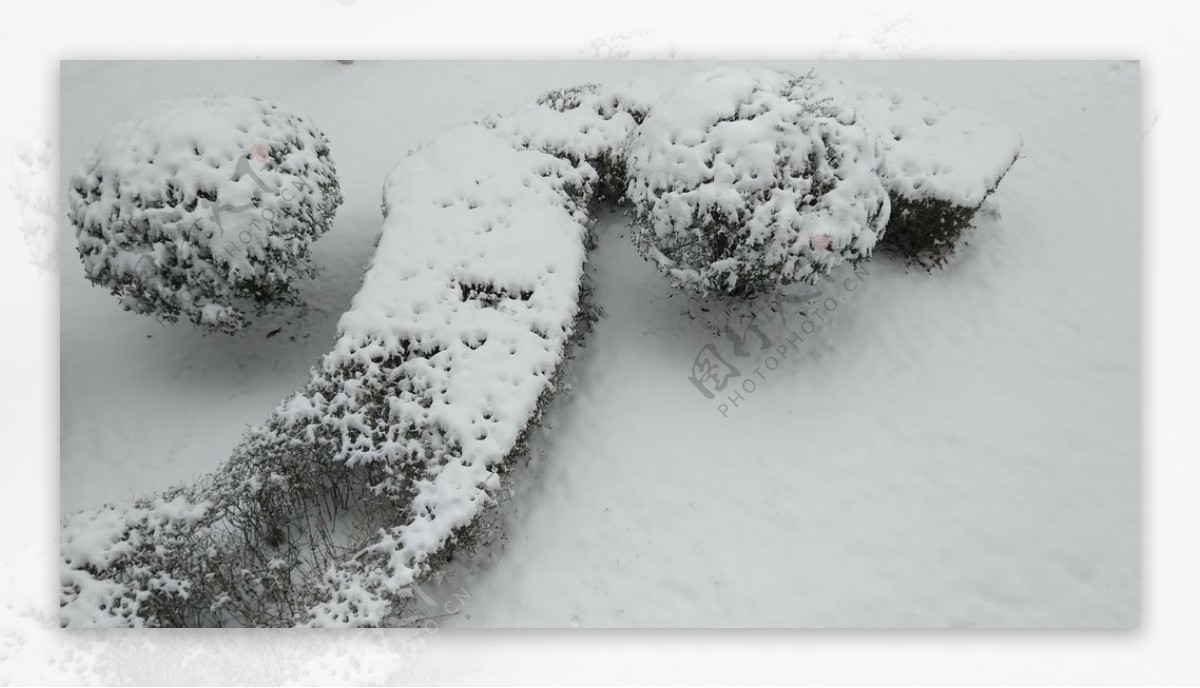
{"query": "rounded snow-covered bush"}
(746, 180)
(199, 208)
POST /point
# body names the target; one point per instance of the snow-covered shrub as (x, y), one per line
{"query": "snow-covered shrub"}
(199, 207)
(113, 573)
(746, 180)
(358, 485)
(939, 165)
(361, 484)
(592, 123)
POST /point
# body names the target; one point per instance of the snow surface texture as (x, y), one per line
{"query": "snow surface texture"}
(356, 487)
(745, 180)
(198, 204)
(331, 510)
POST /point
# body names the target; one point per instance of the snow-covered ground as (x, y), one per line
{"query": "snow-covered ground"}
(955, 449)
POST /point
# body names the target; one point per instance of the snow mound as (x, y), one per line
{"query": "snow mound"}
(357, 485)
(939, 164)
(197, 206)
(744, 180)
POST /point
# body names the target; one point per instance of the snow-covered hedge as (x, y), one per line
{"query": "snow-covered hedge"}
(358, 486)
(743, 180)
(198, 208)
(592, 123)
(939, 164)
(362, 482)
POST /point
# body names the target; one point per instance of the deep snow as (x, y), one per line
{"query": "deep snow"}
(956, 449)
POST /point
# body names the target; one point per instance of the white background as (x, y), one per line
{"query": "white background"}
(36, 36)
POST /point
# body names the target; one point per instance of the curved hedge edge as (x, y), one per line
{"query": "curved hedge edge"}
(469, 538)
